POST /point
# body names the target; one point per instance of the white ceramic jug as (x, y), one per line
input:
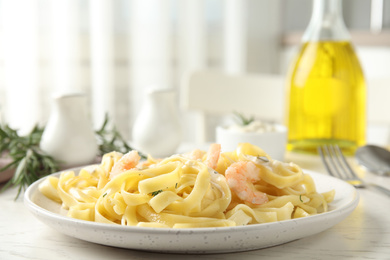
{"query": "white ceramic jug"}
(157, 128)
(68, 135)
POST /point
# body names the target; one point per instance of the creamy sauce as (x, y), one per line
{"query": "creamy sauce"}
(254, 127)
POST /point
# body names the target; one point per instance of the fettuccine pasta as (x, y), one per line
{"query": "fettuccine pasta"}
(197, 189)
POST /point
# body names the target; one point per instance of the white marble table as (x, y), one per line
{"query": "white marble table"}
(365, 234)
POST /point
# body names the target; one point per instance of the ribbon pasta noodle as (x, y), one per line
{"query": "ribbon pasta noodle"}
(241, 187)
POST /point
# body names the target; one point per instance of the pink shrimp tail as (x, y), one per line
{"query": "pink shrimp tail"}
(213, 156)
(126, 162)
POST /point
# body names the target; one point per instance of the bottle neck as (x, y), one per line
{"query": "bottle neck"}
(326, 22)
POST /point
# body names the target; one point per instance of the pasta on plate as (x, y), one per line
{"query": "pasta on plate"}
(192, 190)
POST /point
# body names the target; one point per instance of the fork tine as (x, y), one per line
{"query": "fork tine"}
(346, 165)
(335, 165)
(324, 153)
(339, 164)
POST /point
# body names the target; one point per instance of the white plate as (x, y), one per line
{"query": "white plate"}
(200, 240)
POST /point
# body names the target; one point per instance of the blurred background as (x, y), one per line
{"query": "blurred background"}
(115, 49)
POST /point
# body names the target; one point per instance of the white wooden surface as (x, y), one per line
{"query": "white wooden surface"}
(365, 234)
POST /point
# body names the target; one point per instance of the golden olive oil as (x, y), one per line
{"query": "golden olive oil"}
(327, 98)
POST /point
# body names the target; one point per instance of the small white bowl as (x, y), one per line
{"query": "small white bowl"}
(272, 142)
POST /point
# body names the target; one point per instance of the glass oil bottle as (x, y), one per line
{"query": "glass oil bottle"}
(326, 87)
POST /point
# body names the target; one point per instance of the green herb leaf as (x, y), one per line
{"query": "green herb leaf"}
(155, 193)
(242, 120)
(111, 140)
(31, 163)
(28, 160)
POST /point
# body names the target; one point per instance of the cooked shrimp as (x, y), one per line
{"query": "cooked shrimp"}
(126, 162)
(196, 154)
(213, 156)
(240, 177)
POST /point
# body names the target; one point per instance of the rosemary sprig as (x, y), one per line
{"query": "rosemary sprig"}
(242, 120)
(31, 163)
(111, 140)
(28, 160)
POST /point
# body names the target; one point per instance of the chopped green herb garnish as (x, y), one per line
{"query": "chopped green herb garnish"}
(155, 193)
(105, 194)
(263, 158)
(300, 198)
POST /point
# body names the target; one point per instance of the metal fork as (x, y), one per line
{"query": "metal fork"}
(336, 164)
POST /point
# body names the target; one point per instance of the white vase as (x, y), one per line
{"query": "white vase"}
(69, 136)
(157, 128)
